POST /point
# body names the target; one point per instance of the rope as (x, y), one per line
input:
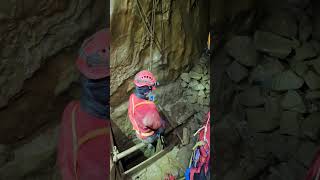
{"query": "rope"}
(152, 32)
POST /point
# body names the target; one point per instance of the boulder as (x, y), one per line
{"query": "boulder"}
(312, 80)
(281, 23)
(198, 69)
(293, 101)
(184, 84)
(185, 77)
(237, 72)
(251, 97)
(195, 75)
(273, 44)
(260, 121)
(179, 111)
(311, 125)
(306, 51)
(199, 87)
(241, 48)
(286, 80)
(290, 123)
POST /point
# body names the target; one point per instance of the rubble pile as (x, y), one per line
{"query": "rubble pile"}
(275, 74)
(196, 87)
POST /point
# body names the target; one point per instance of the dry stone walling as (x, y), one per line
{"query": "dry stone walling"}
(275, 122)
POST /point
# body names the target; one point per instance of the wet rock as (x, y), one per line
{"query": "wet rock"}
(313, 95)
(251, 97)
(311, 125)
(31, 156)
(274, 45)
(195, 75)
(289, 123)
(237, 72)
(260, 121)
(299, 67)
(306, 153)
(286, 80)
(242, 49)
(281, 23)
(306, 51)
(67, 77)
(305, 28)
(293, 101)
(185, 77)
(312, 80)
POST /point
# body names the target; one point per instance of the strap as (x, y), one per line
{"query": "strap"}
(74, 140)
(87, 137)
(92, 134)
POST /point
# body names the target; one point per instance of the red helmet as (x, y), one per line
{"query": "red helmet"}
(93, 60)
(145, 78)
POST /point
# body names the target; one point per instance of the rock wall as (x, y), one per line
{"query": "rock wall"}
(181, 29)
(32, 31)
(269, 89)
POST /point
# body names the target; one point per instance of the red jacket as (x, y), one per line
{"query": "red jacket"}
(144, 116)
(92, 156)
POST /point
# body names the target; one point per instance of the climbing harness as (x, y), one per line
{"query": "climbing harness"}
(201, 152)
(82, 140)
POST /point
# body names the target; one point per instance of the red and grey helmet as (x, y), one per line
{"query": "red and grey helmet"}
(93, 61)
(145, 78)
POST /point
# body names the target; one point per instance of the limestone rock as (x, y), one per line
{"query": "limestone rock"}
(185, 77)
(293, 101)
(306, 153)
(312, 80)
(311, 125)
(306, 51)
(184, 84)
(274, 45)
(251, 97)
(193, 84)
(199, 87)
(237, 72)
(286, 80)
(242, 49)
(282, 23)
(195, 75)
(260, 121)
(289, 123)
(192, 98)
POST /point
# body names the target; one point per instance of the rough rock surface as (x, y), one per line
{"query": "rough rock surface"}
(34, 31)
